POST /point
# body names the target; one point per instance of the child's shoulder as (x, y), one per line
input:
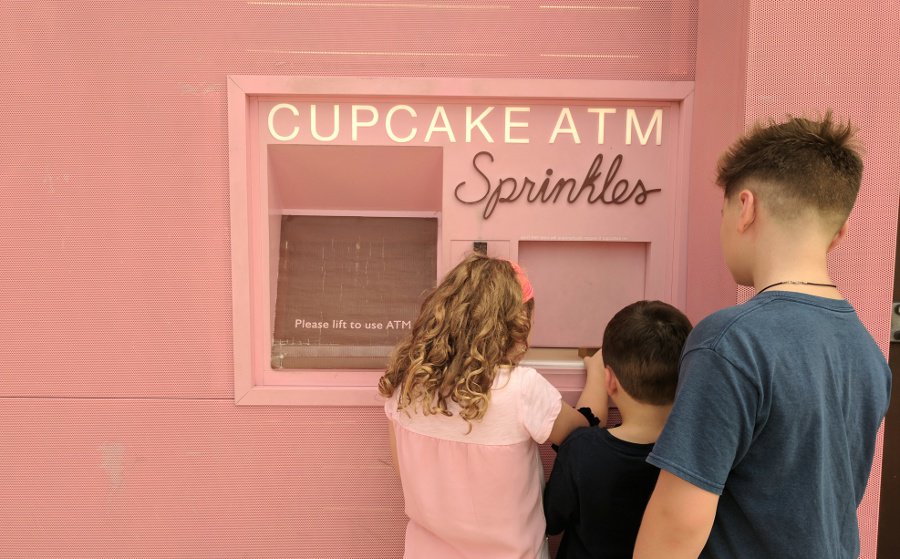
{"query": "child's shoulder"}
(526, 389)
(723, 318)
(757, 317)
(581, 438)
(707, 333)
(519, 376)
(587, 447)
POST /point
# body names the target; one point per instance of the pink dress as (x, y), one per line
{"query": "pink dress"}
(478, 495)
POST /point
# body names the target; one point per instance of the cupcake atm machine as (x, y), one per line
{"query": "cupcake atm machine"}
(351, 197)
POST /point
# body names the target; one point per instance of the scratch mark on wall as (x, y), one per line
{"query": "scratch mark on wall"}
(111, 455)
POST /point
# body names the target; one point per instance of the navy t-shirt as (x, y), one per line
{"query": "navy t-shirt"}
(778, 406)
(597, 493)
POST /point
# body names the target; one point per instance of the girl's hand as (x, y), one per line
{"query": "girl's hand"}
(595, 366)
(594, 395)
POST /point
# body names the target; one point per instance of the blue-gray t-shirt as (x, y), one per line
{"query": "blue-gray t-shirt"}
(778, 405)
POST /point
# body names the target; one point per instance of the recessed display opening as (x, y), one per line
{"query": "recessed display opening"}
(353, 235)
(578, 286)
(349, 288)
(363, 178)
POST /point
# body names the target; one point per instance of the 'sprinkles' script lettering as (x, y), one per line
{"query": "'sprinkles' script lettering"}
(508, 189)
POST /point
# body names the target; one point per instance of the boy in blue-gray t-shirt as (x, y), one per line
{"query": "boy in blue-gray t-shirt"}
(769, 445)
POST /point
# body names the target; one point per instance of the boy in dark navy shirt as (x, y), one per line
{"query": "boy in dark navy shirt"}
(770, 442)
(601, 481)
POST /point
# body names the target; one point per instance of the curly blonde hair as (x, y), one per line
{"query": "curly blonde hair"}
(469, 325)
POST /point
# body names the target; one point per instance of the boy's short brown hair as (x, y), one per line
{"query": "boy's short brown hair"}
(799, 164)
(642, 345)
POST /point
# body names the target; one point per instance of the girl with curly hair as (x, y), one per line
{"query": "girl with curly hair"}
(465, 419)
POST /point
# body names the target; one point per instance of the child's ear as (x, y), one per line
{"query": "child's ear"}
(842, 232)
(612, 383)
(749, 205)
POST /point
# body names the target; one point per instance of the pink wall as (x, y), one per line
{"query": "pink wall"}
(118, 428)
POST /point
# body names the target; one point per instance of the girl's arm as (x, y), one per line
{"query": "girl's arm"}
(567, 421)
(594, 395)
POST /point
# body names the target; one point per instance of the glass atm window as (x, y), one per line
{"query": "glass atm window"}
(348, 288)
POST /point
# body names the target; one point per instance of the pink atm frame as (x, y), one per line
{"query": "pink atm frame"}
(660, 225)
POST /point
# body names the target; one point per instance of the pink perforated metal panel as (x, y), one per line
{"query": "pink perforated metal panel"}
(117, 422)
(806, 57)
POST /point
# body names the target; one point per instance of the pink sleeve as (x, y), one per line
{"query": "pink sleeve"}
(539, 404)
(390, 406)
